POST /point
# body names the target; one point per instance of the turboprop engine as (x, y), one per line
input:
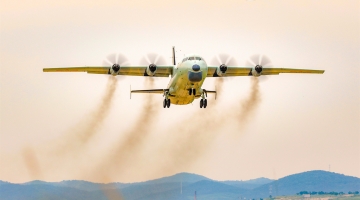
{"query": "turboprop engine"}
(223, 61)
(115, 61)
(258, 61)
(256, 71)
(152, 60)
(115, 69)
(151, 70)
(221, 70)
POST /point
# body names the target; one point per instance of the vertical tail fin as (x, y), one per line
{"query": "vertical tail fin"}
(173, 55)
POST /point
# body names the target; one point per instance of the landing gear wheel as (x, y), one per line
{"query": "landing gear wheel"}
(201, 103)
(194, 92)
(164, 103)
(168, 103)
(205, 103)
(190, 92)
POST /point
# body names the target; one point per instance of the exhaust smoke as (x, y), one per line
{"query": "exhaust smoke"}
(122, 155)
(66, 150)
(196, 134)
(184, 147)
(249, 105)
(127, 150)
(193, 137)
(85, 130)
(99, 115)
(32, 163)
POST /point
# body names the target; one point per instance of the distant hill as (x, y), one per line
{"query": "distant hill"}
(160, 186)
(250, 184)
(11, 191)
(79, 184)
(3, 182)
(206, 189)
(180, 177)
(308, 181)
(182, 186)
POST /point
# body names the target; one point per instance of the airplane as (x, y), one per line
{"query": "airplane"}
(187, 77)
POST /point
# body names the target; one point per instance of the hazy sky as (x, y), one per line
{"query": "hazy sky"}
(58, 126)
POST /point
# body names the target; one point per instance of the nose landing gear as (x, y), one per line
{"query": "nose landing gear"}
(192, 91)
(166, 103)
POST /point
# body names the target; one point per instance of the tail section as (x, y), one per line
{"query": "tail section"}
(173, 55)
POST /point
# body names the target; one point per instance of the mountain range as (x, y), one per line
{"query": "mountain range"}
(182, 186)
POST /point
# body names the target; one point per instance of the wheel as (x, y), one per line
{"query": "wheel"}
(190, 91)
(164, 103)
(205, 103)
(168, 103)
(201, 103)
(194, 92)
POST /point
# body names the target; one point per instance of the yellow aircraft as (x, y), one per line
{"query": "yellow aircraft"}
(187, 77)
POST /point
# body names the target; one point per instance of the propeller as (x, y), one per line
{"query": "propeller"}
(225, 59)
(259, 61)
(115, 61)
(119, 59)
(153, 58)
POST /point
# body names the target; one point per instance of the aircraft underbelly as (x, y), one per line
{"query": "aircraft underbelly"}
(181, 85)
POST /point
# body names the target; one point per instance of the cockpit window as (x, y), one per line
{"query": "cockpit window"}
(192, 58)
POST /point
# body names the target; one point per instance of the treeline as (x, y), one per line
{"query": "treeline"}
(325, 193)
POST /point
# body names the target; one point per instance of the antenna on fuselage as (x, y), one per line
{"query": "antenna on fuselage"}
(173, 55)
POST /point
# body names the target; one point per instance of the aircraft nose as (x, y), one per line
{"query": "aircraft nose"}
(196, 67)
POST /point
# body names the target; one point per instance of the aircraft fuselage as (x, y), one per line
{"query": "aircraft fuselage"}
(190, 74)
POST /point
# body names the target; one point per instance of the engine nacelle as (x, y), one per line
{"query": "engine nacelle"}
(115, 69)
(221, 70)
(256, 71)
(151, 70)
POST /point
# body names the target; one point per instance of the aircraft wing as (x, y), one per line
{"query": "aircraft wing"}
(277, 71)
(161, 71)
(95, 70)
(211, 92)
(247, 71)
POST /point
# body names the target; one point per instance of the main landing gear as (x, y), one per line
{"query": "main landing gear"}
(203, 100)
(203, 103)
(166, 103)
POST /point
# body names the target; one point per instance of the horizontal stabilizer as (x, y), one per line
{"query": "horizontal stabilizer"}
(210, 91)
(155, 91)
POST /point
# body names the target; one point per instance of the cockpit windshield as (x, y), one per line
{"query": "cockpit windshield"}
(195, 58)
(192, 58)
